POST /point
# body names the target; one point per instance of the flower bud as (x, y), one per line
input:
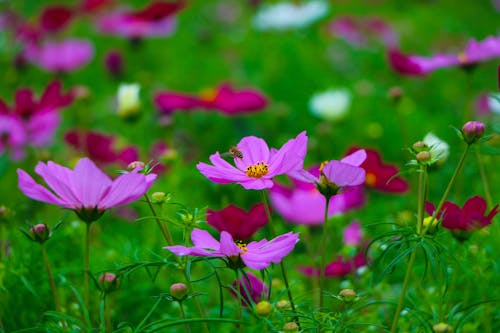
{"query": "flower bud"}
(178, 290)
(136, 164)
(395, 93)
(263, 308)
(420, 146)
(159, 197)
(472, 131)
(291, 327)
(423, 157)
(442, 328)
(109, 282)
(348, 295)
(5, 213)
(40, 232)
(430, 223)
(128, 100)
(283, 304)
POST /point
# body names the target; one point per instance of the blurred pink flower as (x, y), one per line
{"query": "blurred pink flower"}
(304, 204)
(86, 189)
(13, 136)
(352, 234)
(359, 31)
(251, 288)
(255, 255)
(225, 99)
(100, 147)
(157, 19)
(473, 53)
(257, 164)
(65, 56)
(234, 220)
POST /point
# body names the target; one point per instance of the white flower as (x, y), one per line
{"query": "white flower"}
(282, 16)
(128, 100)
(331, 105)
(439, 148)
(494, 102)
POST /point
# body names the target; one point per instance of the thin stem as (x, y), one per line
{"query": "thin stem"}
(283, 271)
(421, 197)
(164, 229)
(107, 316)
(52, 282)
(482, 172)
(86, 261)
(323, 255)
(306, 235)
(239, 300)
(183, 314)
(409, 271)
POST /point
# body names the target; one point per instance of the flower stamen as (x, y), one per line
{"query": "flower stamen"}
(257, 170)
(242, 246)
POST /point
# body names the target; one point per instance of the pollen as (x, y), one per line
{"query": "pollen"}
(257, 170)
(462, 57)
(242, 246)
(371, 179)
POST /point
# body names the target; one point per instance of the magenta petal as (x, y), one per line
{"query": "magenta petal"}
(202, 239)
(257, 183)
(291, 155)
(227, 245)
(126, 188)
(352, 234)
(357, 158)
(343, 174)
(189, 251)
(60, 180)
(254, 150)
(37, 192)
(261, 254)
(90, 182)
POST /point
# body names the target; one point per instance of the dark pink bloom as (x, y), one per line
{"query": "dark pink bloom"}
(13, 136)
(157, 19)
(65, 56)
(473, 53)
(472, 131)
(55, 18)
(114, 63)
(256, 164)
(225, 99)
(86, 189)
(255, 255)
(358, 31)
(302, 203)
(469, 218)
(234, 220)
(379, 175)
(101, 148)
(251, 288)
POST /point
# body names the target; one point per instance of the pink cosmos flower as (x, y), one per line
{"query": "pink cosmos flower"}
(101, 147)
(304, 204)
(251, 288)
(255, 255)
(237, 222)
(157, 19)
(13, 136)
(256, 164)
(86, 189)
(473, 53)
(358, 31)
(352, 234)
(379, 175)
(225, 98)
(65, 56)
(469, 218)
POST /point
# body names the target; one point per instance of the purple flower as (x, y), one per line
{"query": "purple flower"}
(86, 189)
(256, 164)
(473, 53)
(472, 131)
(13, 136)
(64, 56)
(255, 255)
(304, 204)
(251, 288)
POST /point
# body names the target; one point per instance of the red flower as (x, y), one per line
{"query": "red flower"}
(379, 175)
(468, 218)
(237, 222)
(55, 18)
(225, 98)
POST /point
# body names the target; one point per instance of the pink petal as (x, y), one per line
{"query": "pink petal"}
(254, 150)
(127, 188)
(90, 183)
(203, 240)
(60, 180)
(37, 192)
(343, 174)
(357, 158)
(227, 245)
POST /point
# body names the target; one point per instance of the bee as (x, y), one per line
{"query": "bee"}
(235, 152)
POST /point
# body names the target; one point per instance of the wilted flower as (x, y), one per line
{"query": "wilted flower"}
(128, 100)
(380, 176)
(439, 149)
(331, 105)
(251, 288)
(283, 16)
(255, 255)
(86, 189)
(473, 53)
(225, 99)
(257, 165)
(64, 56)
(240, 224)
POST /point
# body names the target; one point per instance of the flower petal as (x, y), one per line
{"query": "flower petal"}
(37, 192)
(357, 158)
(254, 150)
(60, 180)
(203, 240)
(343, 174)
(90, 183)
(127, 188)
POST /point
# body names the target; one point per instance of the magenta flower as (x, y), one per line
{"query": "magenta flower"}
(237, 222)
(101, 148)
(302, 203)
(255, 255)
(86, 189)
(251, 288)
(473, 53)
(157, 19)
(359, 31)
(469, 218)
(55, 18)
(225, 98)
(13, 136)
(352, 234)
(65, 56)
(256, 165)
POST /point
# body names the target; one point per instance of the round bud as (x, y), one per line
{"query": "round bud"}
(347, 295)
(442, 328)
(158, 197)
(423, 156)
(472, 131)
(395, 93)
(136, 164)
(283, 304)
(40, 232)
(108, 282)
(291, 327)
(420, 146)
(178, 290)
(263, 308)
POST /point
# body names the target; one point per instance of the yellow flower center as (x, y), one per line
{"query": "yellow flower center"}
(371, 179)
(257, 170)
(242, 246)
(208, 94)
(462, 57)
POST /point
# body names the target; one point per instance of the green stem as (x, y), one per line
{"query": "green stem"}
(283, 271)
(482, 172)
(52, 282)
(409, 272)
(323, 255)
(102, 314)
(107, 316)
(164, 229)
(86, 261)
(183, 314)
(239, 300)
(422, 180)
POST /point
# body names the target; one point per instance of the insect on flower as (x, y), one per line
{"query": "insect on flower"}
(234, 152)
